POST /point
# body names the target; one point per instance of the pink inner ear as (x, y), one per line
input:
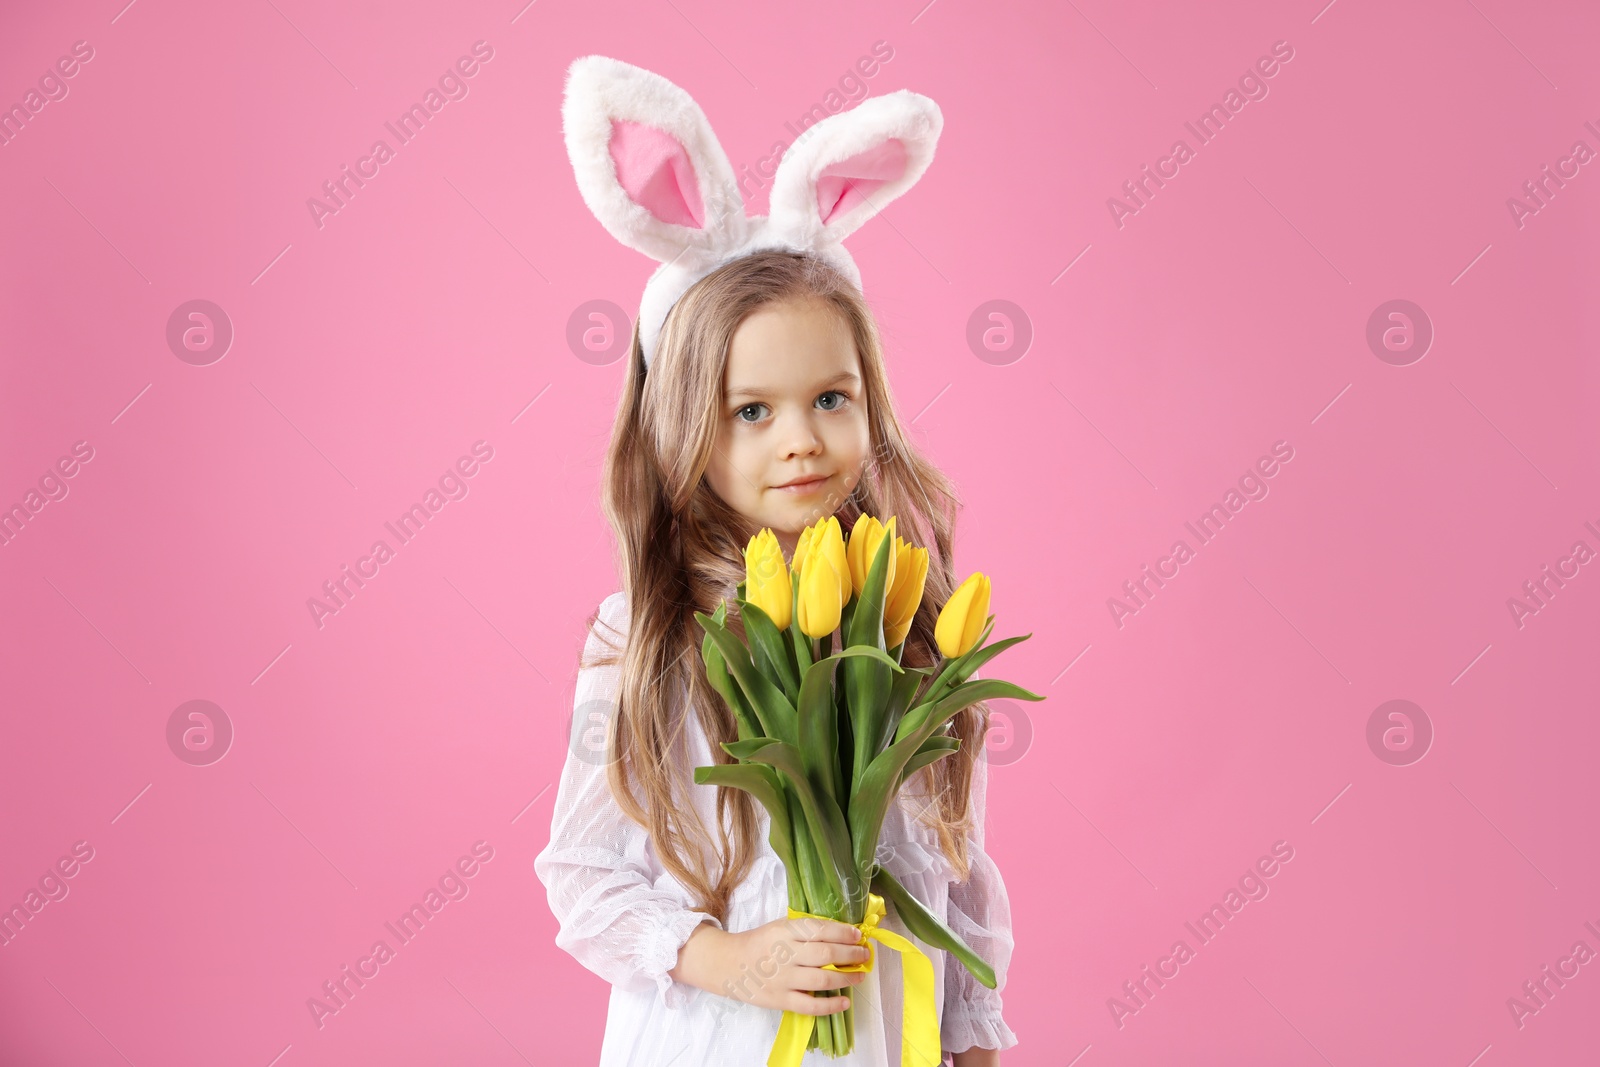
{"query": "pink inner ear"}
(843, 185)
(655, 171)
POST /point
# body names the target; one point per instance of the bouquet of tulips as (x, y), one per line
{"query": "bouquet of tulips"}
(827, 737)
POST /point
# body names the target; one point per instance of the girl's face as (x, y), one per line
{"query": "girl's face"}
(793, 410)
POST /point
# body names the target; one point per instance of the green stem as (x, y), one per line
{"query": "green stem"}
(942, 680)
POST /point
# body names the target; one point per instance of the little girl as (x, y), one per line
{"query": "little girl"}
(757, 400)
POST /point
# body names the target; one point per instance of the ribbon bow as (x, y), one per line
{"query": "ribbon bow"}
(919, 1039)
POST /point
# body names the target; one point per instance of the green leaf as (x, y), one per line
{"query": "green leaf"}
(870, 652)
(980, 655)
(926, 718)
(791, 803)
(773, 656)
(846, 741)
(901, 694)
(743, 750)
(867, 683)
(952, 672)
(722, 682)
(869, 801)
(829, 832)
(821, 893)
(875, 788)
(933, 749)
(802, 643)
(761, 782)
(866, 622)
(772, 708)
(819, 727)
(929, 928)
(819, 721)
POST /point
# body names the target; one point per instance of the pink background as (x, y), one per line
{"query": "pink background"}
(431, 312)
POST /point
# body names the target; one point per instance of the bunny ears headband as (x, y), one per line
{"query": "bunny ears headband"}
(656, 177)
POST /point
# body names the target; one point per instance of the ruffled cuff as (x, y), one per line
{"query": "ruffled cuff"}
(975, 1026)
(660, 954)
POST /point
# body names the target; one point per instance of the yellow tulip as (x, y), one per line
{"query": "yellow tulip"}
(766, 578)
(820, 601)
(910, 575)
(800, 548)
(962, 620)
(865, 537)
(829, 542)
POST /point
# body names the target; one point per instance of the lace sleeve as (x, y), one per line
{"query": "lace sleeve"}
(980, 912)
(595, 869)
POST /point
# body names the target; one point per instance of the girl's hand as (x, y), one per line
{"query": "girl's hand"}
(775, 965)
(778, 964)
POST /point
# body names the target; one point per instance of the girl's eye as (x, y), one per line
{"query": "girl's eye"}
(834, 405)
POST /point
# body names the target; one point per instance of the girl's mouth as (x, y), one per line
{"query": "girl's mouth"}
(803, 488)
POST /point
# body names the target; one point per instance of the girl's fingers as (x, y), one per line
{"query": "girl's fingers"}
(816, 930)
(819, 978)
(819, 953)
(849, 953)
(805, 1004)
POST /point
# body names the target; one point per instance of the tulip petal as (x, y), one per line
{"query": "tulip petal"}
(819, 595)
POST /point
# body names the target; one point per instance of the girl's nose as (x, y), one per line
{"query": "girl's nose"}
(799, 437)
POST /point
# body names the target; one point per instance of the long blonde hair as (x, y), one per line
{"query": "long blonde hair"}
(681, 551)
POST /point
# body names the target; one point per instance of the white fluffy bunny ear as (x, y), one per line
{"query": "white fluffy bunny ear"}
(847, 167)
(647, 163)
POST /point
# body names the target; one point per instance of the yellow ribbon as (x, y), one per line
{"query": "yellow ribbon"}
(919, 1039)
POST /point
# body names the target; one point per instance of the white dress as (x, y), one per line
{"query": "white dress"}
(624, 917)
